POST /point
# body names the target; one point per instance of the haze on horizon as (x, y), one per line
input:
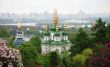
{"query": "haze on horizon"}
(63, 6)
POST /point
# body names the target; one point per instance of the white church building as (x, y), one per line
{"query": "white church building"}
(55, 37)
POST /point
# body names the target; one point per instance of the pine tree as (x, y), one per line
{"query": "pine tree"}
(108, 32)
(81, 42)
(100, 31)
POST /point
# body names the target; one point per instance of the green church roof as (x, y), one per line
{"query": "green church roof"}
(66, 41)
(56, 43)
(65, 33)
(53, 29)
(46, 33)
(57, 34)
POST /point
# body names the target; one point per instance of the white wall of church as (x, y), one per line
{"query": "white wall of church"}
(45, 49)
(49, 48)
(19, 35)
(57, 38)
(56, 48)
(46, 38)
(52, 36)
(65, 37)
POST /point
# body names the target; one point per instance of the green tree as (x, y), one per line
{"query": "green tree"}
(36, 41)
(4, 33)
(108, 32)
(86, 52)
(11, 42)
(101, 56)
(96, 50)
(100, 31)
(79, 60)
(53, 60)
(43, 60)
(66, 59)
(81, 42)
(71, 36)
(29, 54)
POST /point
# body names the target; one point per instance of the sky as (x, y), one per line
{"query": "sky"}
(63, 6)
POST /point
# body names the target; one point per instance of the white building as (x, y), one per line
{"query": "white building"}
(55, 38)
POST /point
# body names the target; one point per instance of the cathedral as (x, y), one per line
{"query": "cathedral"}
(55, 37)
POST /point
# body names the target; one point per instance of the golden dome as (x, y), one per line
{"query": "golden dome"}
(55, 18)
(19, 23)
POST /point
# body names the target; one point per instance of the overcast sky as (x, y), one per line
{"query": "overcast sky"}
(63, 6)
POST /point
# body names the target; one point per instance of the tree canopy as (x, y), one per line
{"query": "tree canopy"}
(100, 31)
(81, 42)
(36, 41)
(28, 53)
(53, 60)
(4, 33)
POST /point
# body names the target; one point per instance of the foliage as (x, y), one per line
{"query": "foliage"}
(97, 48)
(100, 31)
(9, 55)
(101, 36)
(28, 53)
(86, 52)
(101, 56)
(81, 42)
(79, 60)
(71, 36)
(53, 60)
(108, 32)
(11, 42)
(66, 59)
(36, 41)
(43, 59)
(4, 33)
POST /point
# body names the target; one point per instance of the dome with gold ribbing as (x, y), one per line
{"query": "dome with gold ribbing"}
(46, 32)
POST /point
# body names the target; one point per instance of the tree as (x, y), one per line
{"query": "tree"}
(4, 33)
(101, 34)
(100, 31)
(108, 32)
(29, 54)
(79, 60)
(43, 60)
(101, 56)
(53, 60)
(36, 41)
(71, 36)
(81, 42)
(9, 55)
(11, 42)
(66, 59)
(86, 52)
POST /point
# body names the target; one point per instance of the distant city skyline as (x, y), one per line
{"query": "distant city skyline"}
(63, 6)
